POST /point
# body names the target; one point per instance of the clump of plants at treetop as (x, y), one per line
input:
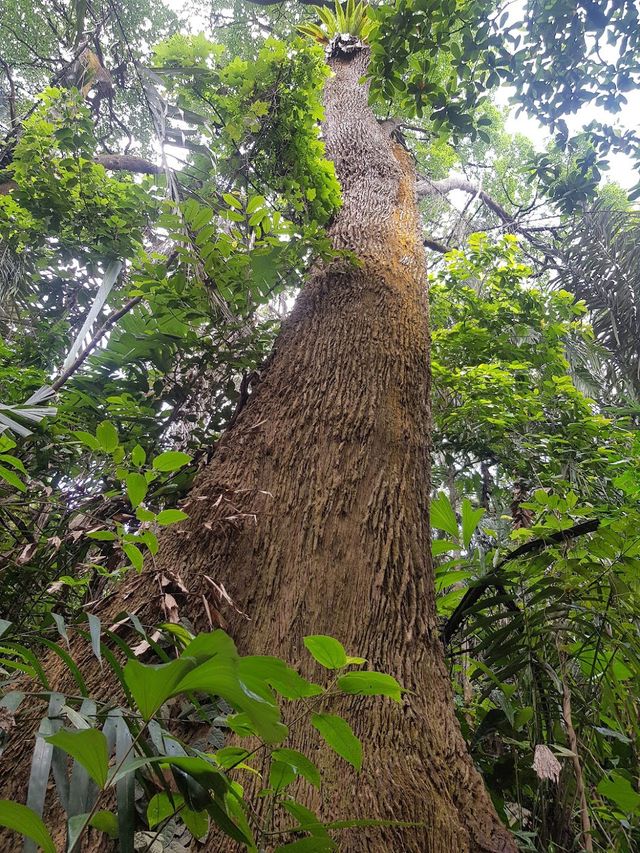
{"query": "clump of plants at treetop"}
(133, 750)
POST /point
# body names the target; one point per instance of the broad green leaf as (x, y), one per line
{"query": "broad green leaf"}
(307, 819)
(135, 555)
(143, 514)
(102, 535)
(25, 821)
(231, 756)
(106, 822)
(171, 460)
(89, 748)
(302, 765)
(86, 438)
(138, 455)
(340, 737)
(281, 775)
(326, 650)
(12, 478)
(151, 686)
(442, 515)
(199, 769)
(171, 516)
(221, 677)
(226, 824)
(161, 806)
(136, 488)
(107, 436)
(619, 790)
(370, 684)
(197, 822)
(441, 546)
(281, 677)
(470, 520)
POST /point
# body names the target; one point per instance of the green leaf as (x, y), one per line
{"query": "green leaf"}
(106, 822)
(280, 775)
(225, 823)
(220, 677)
(12, 478)
(326, 650)
(307, 819)
(89, 748)
(255, 202)
(107, 436)
(281, 677)
(171, 516)
(161, 806)
(171, 460)
(619, 790)
(199, 769)
(197, 822)
(136, 488)
(441, 546)
(138, 455)
(25, 821)
(470, 520)
(135, 556)
(340, 737)
(302, 765)
(442, 515)
(86, 438)
(143, 514)
(151, 686)
(232, 201)
(14, 462)
(370, 684)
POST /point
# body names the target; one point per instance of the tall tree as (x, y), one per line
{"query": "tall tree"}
(314, 509)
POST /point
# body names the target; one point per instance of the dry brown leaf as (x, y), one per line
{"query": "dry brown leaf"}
(545, 763)
(27, 553)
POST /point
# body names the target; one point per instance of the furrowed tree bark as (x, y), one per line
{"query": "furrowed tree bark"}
(314, 509)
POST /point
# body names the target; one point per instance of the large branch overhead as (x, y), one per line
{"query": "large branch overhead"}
(426, 187)
(112, 162)
(127, 163)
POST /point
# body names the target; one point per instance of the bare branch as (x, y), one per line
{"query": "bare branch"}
(426, 187)
(127, 163)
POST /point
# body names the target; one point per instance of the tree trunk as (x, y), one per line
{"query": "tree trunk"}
(313, 512)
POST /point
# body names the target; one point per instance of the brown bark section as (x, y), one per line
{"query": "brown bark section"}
(314, 509)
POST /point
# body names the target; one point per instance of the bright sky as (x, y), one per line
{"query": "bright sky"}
(622, 169)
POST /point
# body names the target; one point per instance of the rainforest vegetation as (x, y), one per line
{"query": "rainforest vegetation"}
(319, 426)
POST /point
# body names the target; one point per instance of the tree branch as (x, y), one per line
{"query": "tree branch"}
(426, 187)
(436, 245)
(474, 593)
(127, 163)
(112, 162)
